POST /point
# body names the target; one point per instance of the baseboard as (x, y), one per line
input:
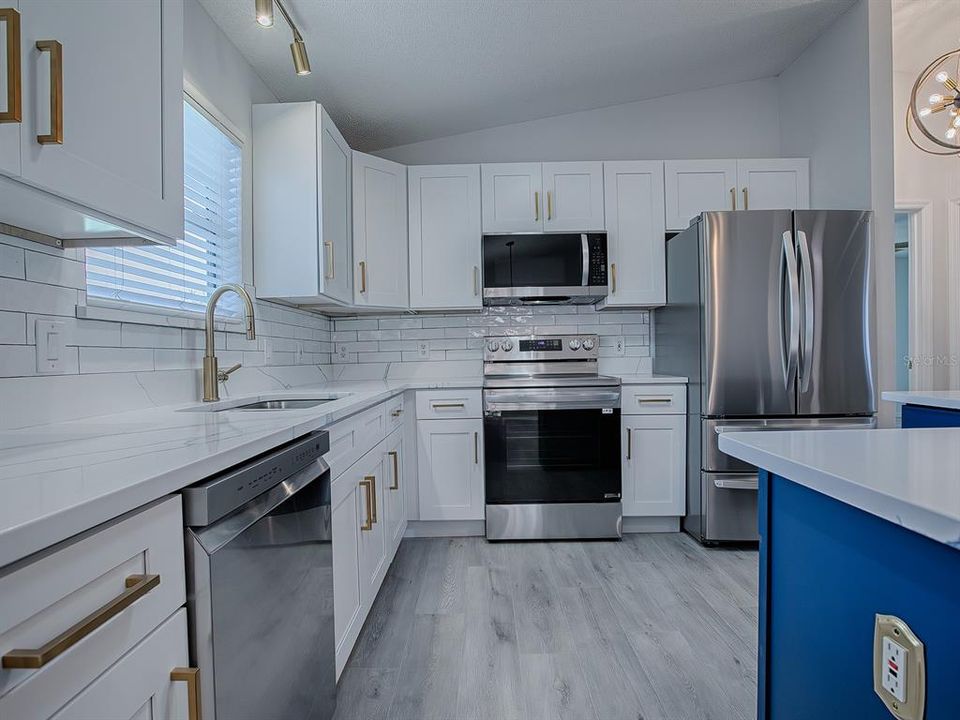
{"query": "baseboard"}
(651, 524)
(445, 528)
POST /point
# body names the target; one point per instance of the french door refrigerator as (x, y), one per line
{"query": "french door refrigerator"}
(770, 315)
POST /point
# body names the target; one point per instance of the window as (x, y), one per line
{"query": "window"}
(182, 277)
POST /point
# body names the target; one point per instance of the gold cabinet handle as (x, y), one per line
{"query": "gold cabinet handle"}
(329, 272)
(368, 502)
(733, 197)
(438, 406)
(55, 136)
(536, 205)
(363, 276)
(476, 448)
(396, 469)
(476, 280)
(629, 442)
(191, 676)
(549, 205)
(613, 278)
(746, 200)
(397, 413)
(11, 18)
(137, 586)
(373, 492)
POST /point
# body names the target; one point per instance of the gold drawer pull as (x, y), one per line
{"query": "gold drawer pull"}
(363, 276)
(733, 197)
(191, 676)
(368, 523)
(746, 199)
(396, 413)
(536, 205)
(396, 469)
(13, 112)
(55, 136)
(137, 587)
(613, 278)
(329, 272)
(373, 493)
(438, 406)
(549, 206)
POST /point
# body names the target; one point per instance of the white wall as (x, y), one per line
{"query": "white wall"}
(740, 120)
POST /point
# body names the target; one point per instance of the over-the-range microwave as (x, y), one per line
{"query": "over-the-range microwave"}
(542, 269)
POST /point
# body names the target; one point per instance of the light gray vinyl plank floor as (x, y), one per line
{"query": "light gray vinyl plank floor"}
(654, 627)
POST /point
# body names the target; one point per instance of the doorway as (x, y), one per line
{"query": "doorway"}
(913, 299)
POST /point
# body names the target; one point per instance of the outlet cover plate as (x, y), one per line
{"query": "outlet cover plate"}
(899, 671)
(51, 346)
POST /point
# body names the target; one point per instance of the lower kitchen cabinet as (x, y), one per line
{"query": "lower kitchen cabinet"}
(394, 491)
(450, 469)
(654, 465)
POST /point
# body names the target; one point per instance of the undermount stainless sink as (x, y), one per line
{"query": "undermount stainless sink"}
(284, 404)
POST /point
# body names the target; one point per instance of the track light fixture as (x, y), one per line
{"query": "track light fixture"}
(298, 49)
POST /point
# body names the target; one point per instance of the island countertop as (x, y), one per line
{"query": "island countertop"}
(908, 477)
(946, 399)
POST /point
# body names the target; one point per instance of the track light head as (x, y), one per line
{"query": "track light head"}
(301, 63)
(264, 13)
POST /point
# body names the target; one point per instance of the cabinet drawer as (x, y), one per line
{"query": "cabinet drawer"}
(76, 581)
(440, 404)
(351, 438)
(653, 399)
(393, 413)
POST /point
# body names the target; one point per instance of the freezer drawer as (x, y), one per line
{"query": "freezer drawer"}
(729, 507)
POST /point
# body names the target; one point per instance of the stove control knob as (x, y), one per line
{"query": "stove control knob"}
(493, 346)
(575, 344)
(588, 343)
(506, 345)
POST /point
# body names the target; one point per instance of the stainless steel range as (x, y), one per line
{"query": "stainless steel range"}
(552, 440)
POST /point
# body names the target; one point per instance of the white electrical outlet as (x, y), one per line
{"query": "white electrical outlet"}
(894, 671)
(423, 349)
(267, 351)
(341, 349)
(51, 346)
(620, 347)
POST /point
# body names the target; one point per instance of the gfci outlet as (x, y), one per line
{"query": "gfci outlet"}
(899, 674)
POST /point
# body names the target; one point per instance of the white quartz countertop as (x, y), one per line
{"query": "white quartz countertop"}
(949, 399)
(909, 477)
(62, 479)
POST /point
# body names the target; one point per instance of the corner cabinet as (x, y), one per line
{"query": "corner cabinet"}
(101, 123)
(379, 233)
(777, 184)
(302, 205)
(633, 199)
(445, 237)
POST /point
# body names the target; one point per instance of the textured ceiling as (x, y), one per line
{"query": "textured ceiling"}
(392, 72)
(923, 30)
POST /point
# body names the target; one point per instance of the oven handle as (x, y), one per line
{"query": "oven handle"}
(550, 399)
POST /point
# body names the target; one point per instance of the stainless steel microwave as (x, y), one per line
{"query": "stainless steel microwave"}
(555, 268)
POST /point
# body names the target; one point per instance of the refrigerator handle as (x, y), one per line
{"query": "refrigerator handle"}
(806, 347)
(792, 359)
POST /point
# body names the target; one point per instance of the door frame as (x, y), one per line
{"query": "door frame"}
(920, 292)
(953, 270)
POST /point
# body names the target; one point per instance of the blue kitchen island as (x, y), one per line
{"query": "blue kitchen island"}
(854, 523)
(934, 408)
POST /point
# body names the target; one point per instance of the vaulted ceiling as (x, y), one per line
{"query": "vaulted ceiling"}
(392, 72)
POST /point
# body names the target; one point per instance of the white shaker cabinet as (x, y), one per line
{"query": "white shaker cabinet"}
(574, 196)
(11, 102)
(102, 112)
(394, 491)
(445, 237)
(633, 196)
(512, 197)
(696, 186)
(302, 205)
(774, 184)
(347, 514)
(379, 232)
(450, 469)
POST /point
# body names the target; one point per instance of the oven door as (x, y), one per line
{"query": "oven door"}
(552, 445)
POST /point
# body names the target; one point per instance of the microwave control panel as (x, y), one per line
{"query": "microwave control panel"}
(598, 260)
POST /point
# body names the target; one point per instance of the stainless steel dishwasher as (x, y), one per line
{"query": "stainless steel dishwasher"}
(260, 586)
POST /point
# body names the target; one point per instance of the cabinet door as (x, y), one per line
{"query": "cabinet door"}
(654, 460)
(775, 184)
(139, 686)
(445, 236)
(347, 515)
(574, 196)
(379, 232)
(372, 480)
(636, 243)
(695, 186)
(10, 125)
(395, 506)
(336, 242)
(122, 107)
(450, 469)
(512, 197)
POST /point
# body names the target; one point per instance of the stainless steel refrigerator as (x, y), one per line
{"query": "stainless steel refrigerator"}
(770, 315)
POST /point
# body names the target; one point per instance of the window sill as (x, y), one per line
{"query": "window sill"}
(109, 310)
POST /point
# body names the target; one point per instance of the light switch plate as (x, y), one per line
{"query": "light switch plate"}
(899, 671)
(51, 346)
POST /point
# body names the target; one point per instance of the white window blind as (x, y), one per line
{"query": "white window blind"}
(182, 277)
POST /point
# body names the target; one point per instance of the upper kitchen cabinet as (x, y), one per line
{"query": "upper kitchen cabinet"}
(777, 184)
(302, 205)
(512, 197)
(379, 232)
(696, 186)
(633, 200)
(574, 196)
(445, 236)
(98, 148)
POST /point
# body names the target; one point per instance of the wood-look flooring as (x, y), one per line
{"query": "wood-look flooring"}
(654, 627)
